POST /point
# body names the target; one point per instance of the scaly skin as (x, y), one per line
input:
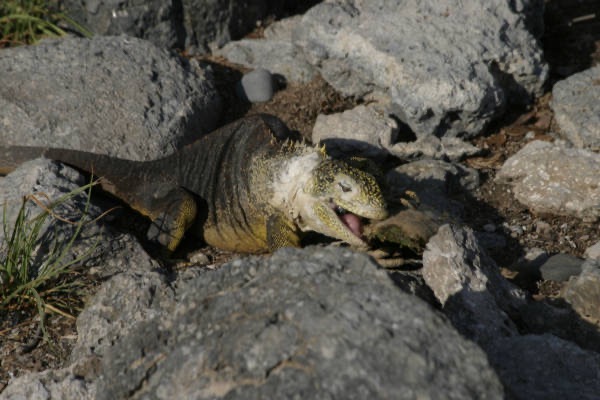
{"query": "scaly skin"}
(247, 187)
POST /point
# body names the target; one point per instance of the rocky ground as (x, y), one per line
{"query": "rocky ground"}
(521, 321)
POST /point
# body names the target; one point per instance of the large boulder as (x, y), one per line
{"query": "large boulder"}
(315, 323)
(120, 96)
(448, 67)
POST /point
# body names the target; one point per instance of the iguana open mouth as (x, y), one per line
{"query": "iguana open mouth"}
(352, 221)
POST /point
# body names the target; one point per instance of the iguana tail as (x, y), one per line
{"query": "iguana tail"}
(119, 176)
(97, 164)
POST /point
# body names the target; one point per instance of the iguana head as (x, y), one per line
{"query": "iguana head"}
(337, 197)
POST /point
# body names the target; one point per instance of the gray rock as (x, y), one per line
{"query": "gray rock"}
(448, 67)
(316, 323)
(432, 147)
(50, 384)
(560, 267)
(561, 320)
(576, 105)
(120, 304)
(468, 284)
(283, 29)
(191, 25)
(157, 21)
(583, 291)
(280, 57)
(115, 95)
(257, 86)
(433, 181)
(593, 252)
(528, 266)
(545, 367)
(212, 23)
(275, 52)
(103, 250)
(552, 178)
(364, 131)
(44, 182)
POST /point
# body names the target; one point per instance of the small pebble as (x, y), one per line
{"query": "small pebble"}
(256, 86)
(561, 267)
(199, 258)
(489, 228)
(593, 252)
(543, 228)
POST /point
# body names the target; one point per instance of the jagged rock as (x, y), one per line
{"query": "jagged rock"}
(432, 147)
(283, 29)
(448, 67)
(193, 25)
(275, 52)
(364, 131)
(552, 178)
(561, 320)
(283, 58)
(280, 57)
(315, 322)
(115, 95)
(433, 181)
(576, 106)
(593, 252)
(560, 267)
(211, 24)
(481, 305)
(370, 131)
(120, 304)
(583, 291)
(46, 181)
(50, 384)
(545, 367)
(157, 21)
(468, 284)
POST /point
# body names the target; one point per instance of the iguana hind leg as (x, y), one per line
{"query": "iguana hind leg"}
(171, 216)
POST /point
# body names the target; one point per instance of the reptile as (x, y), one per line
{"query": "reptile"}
(248, 187)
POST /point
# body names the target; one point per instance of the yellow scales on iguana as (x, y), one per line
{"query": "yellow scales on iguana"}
(247, 187)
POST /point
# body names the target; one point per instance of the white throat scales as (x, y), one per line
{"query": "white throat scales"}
(288, 194)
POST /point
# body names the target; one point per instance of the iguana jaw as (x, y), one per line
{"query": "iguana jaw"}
(331, 219)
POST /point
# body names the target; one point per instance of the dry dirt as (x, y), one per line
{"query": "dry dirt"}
(571, 43)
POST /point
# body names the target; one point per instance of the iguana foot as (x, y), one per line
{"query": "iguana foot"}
(171, 216)
(281, 234)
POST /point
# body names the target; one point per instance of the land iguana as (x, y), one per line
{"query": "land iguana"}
(247, 187)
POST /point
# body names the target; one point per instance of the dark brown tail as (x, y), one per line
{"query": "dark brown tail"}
(13, 156)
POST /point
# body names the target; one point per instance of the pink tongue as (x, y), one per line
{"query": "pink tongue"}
(353, 223)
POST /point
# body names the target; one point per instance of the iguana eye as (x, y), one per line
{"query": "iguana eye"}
(345, 187)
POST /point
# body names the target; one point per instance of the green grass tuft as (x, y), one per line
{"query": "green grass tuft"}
(49, 286)
(27, 21)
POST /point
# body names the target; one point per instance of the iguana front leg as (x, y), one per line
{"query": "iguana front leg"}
(171, 216)
(281, 233)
